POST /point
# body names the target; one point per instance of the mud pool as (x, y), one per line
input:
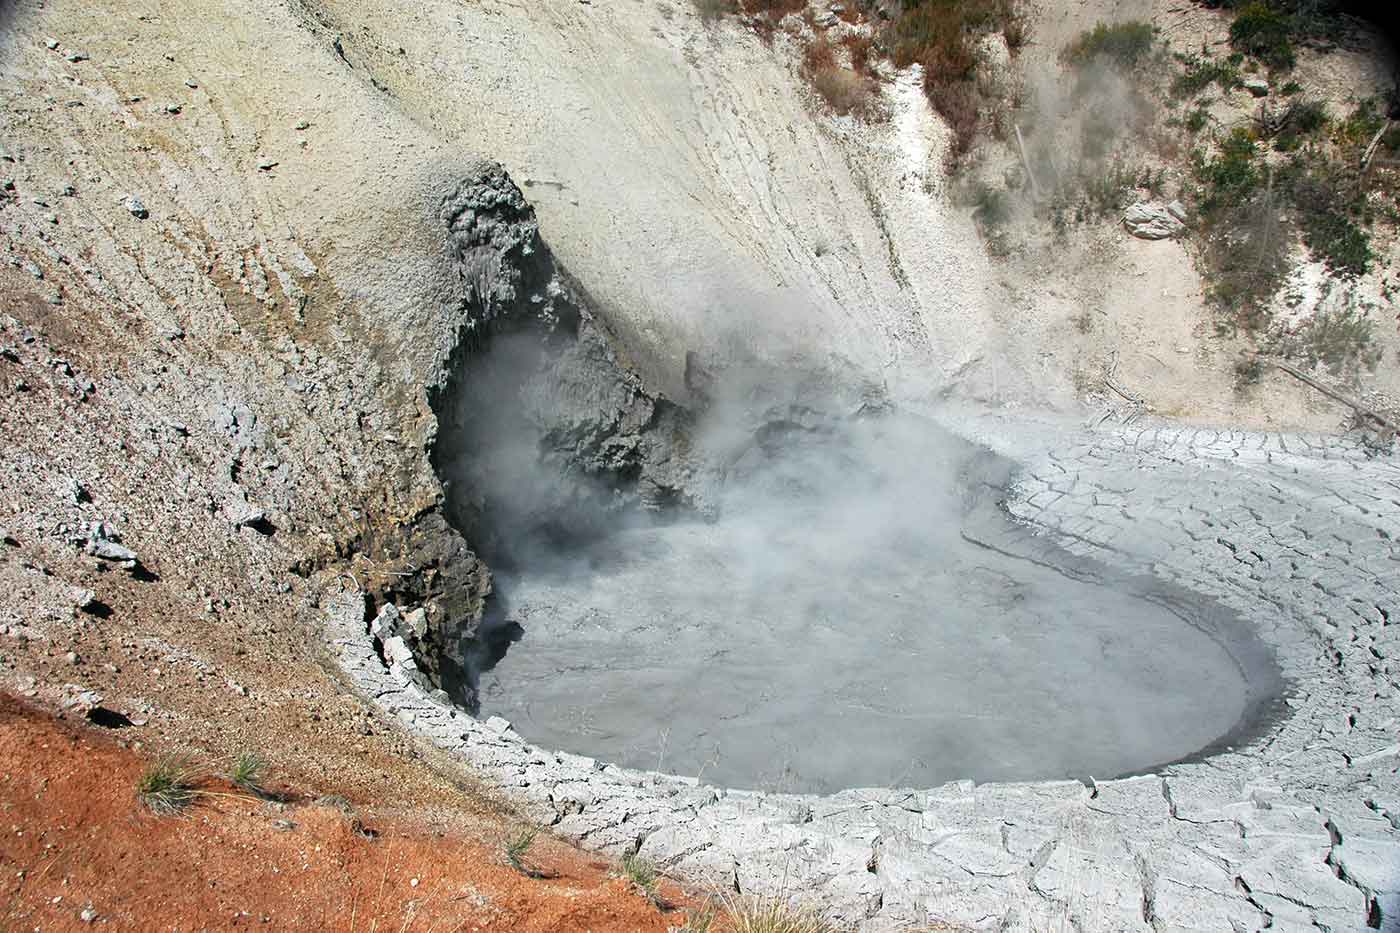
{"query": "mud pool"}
(864, 613)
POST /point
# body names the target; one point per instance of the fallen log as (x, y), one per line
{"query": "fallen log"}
(1337, 396)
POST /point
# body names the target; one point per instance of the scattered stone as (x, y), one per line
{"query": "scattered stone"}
(258, 521)
(77, 56)
(103, 544)
(81, 701)
(136, 207)
(1151, 221)
(1258, 87)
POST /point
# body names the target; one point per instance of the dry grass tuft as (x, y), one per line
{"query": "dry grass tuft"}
(845, 91)
(750, 914)
(169, 786)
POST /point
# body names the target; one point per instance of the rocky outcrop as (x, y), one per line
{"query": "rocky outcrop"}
(543, 431)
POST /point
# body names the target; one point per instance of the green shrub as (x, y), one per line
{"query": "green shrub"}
(1201, 71)
(1305, 122)
(1232, 176)
(1330, 204)
(1266, 34)
(1123, 44)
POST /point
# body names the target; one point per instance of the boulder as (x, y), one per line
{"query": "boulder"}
(1150, 220)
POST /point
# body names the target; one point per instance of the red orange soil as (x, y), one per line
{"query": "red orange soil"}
(74, 837)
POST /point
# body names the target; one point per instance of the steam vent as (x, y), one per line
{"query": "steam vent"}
(730, 465)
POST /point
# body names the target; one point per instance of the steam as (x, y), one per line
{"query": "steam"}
(800, 587)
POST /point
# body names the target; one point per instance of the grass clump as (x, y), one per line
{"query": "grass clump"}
(1264, 33)
(772, 915)
(518, 849)
(1201, 71)
(1123, 44)
(643, 876)
(169, 786)
(248, 773)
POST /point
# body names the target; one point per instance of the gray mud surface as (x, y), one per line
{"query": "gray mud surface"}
(864, 613)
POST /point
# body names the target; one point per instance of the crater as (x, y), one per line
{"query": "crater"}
(863, 612)
(784, 584)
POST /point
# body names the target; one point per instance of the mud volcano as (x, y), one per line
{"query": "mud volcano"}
(861, 613)
(783, 584)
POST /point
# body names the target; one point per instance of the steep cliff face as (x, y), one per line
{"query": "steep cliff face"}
(543, 432)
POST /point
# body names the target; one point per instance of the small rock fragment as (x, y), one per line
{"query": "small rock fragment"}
(103, 544)
(136, 207)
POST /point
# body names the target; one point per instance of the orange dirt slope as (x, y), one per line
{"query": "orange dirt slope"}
(78, 851)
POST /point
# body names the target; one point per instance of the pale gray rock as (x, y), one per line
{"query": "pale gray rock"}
(1152, 221)
(103, 544)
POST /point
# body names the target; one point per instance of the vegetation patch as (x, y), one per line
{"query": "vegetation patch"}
(941, 35)
(1341, 338)
(772, 915)
(1201, 71)
(517, 851)
(248, 773)
(845, 90)
(1266, 33)
(169, 786)
(1124, 44)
